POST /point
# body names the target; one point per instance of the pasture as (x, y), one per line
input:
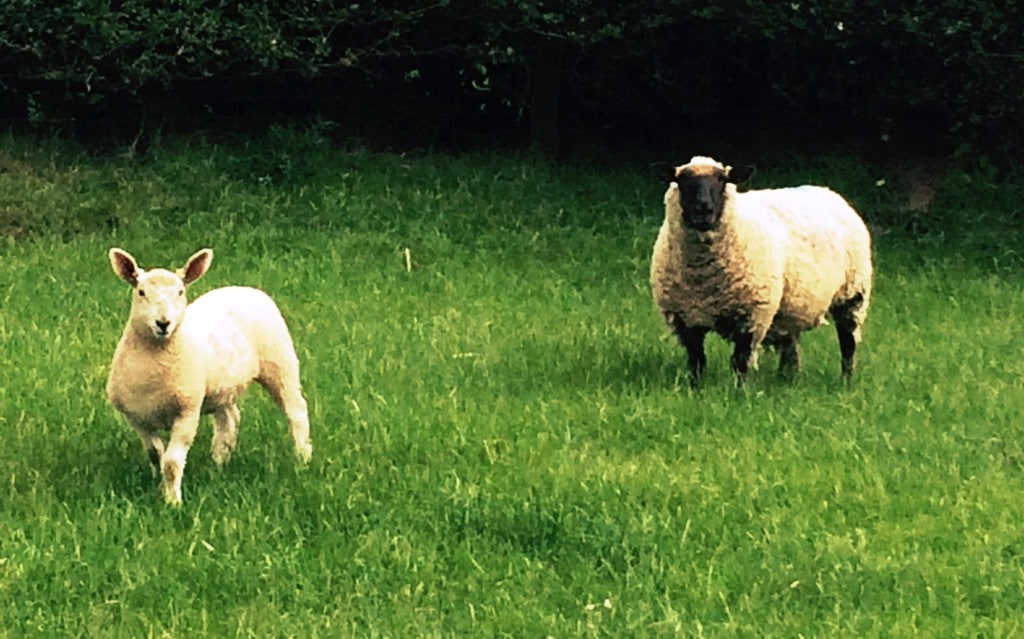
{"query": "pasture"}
(505, 443)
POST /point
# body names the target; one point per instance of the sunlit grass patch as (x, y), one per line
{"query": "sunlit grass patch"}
(505, 441)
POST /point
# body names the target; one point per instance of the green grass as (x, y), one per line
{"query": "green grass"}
(504, 440)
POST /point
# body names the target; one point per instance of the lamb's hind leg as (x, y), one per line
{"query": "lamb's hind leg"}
(225, 433)
(282, 382)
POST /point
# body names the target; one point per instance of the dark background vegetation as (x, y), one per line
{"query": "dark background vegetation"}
(905, 77)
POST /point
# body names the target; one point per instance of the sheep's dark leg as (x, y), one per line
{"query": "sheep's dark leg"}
(848, 330)
(789, 355)
(848, 350)
(692, 339)
(743, 350)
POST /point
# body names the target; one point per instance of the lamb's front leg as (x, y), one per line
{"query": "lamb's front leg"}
(183, 433)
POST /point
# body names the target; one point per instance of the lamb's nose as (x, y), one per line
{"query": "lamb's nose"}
(162, 325)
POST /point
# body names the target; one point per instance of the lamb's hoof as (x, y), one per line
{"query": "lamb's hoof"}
(172, 498)
(221, 455)
(172, 484)
(304, 452)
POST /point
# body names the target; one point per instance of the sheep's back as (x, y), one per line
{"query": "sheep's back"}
(827, 253)
(236, 329)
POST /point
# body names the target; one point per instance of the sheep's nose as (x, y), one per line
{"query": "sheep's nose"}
(162, 325)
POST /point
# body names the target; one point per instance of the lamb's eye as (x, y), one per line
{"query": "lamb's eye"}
(142, 293)
(181, 292)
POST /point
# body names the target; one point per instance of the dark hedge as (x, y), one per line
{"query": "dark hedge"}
(945, 71)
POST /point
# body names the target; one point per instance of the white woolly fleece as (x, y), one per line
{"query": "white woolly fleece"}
(200, 358)
(782, 257)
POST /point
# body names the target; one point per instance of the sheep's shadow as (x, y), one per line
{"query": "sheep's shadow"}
(659, 367)
(608, 366)
(623, 370)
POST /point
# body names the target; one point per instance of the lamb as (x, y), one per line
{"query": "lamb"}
(177, 361)
(758, 267)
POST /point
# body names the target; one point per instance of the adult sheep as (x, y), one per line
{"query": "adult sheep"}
(758, 267)
(177, 361)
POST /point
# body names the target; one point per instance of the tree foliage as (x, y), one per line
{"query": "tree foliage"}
(956, 66)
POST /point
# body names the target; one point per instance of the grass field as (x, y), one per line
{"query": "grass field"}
(504, 440)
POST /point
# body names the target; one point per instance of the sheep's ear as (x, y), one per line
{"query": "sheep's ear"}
(739, 174)
(662, 171)
(196, 266)
(124, 266)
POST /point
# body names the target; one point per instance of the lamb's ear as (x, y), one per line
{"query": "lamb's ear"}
(124, 265)
(739, 174)
(196, 266)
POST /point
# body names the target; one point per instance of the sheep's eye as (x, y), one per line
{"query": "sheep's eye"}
(181, 292)
(142, 293)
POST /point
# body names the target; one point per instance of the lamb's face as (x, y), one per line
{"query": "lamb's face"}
(701, 195)
(158, 303)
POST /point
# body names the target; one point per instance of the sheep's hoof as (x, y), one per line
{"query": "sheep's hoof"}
(304, 452)
(789, 374)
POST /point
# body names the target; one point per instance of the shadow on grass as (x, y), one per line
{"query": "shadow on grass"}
(654, 367)
(90, 469)
(530, 521)
(87, 470)
(538, 367)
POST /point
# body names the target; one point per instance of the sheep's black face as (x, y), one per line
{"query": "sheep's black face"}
(702, 192)
(702, 195)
